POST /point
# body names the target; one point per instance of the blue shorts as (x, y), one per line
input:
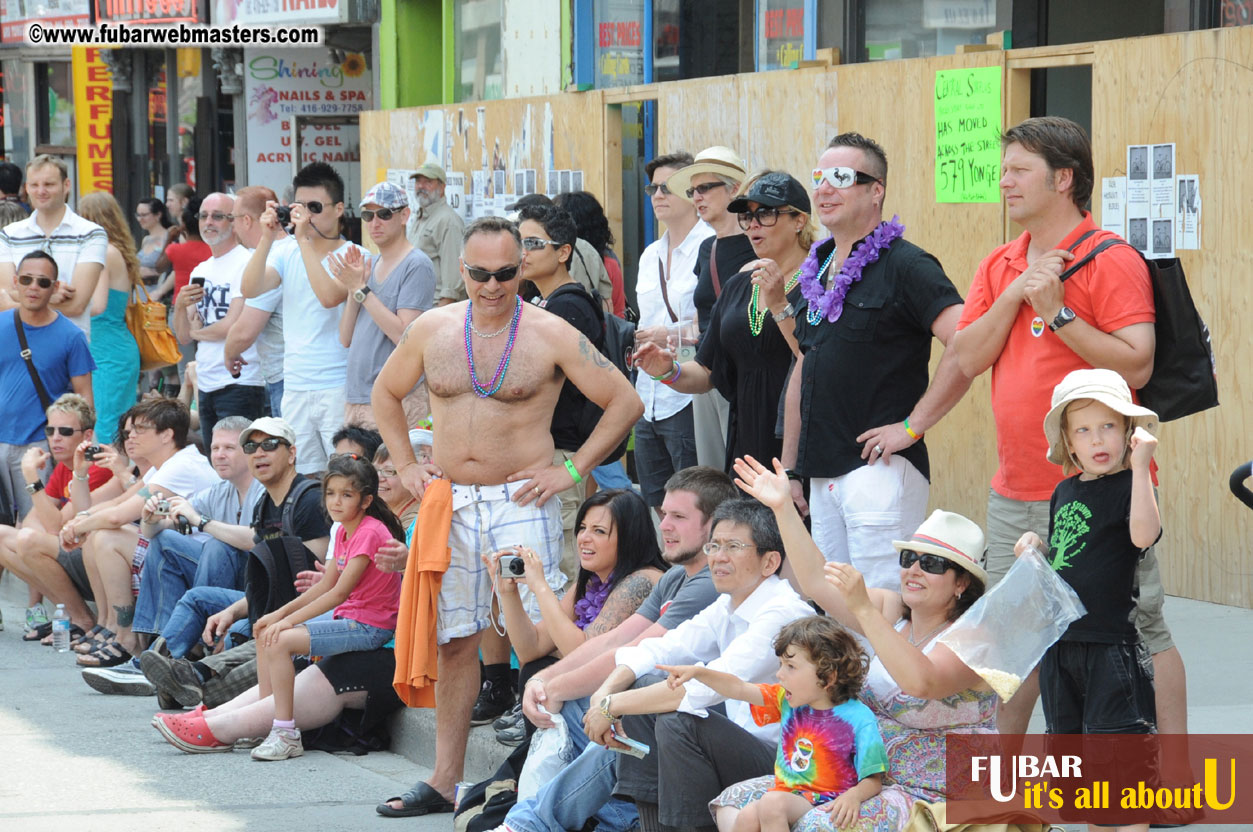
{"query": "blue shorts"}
(332, 636)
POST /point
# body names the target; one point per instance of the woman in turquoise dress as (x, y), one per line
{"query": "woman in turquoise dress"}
(114, 384)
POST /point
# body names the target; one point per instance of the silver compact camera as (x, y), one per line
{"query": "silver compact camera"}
(511, 566)
(163, 507)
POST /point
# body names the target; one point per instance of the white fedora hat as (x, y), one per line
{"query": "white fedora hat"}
(952, 537)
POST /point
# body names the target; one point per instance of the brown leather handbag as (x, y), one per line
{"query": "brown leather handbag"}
(146, 320)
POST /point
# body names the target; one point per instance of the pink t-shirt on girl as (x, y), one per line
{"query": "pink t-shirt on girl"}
(375, 600)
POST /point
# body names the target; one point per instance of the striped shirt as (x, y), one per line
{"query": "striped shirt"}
(74, 241)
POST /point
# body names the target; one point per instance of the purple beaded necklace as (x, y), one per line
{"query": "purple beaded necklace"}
(484, 392)
(595, 593)
(829, 303)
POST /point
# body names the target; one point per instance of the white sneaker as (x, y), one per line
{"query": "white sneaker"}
(281, 744)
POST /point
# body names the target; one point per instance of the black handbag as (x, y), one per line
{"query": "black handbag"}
(1184, 379)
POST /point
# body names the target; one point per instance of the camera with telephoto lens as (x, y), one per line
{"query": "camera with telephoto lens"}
(182, 524)
(511, 566)
(91, 451)
(283, 214)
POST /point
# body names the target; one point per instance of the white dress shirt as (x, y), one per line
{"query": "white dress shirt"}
(738, 641)
(660, 401)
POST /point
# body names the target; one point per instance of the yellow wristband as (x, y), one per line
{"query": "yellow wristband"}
(910, 431)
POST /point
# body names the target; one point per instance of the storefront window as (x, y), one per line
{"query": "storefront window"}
(478, 67)
(926, 28)
(781, 26)
(831, 23)
(619, 47)
(17, 116)
(695, 39)
(55, 92)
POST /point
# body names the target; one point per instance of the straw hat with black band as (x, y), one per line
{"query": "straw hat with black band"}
(718, 160)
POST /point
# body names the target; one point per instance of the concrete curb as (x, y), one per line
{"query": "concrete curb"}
(413, 737)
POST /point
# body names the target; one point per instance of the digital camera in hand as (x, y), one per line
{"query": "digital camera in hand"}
(91, 451)
(511, 566)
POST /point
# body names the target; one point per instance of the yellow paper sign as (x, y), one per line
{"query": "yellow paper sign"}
(968, 134)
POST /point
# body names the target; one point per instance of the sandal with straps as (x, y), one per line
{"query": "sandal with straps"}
(106, 655)
(93, 639)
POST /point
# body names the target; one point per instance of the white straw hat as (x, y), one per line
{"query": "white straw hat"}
(717, 159)
(1104, 386)
(952, 537)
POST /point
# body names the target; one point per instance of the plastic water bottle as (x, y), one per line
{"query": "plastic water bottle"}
(61, 629)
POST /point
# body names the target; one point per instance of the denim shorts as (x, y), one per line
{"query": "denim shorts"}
(331, 636)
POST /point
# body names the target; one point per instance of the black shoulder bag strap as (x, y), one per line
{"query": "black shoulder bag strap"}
(665, 293)
(44, 398)
(713, 268)
(1083, 261)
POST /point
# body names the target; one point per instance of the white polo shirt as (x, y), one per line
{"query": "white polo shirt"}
(75, 240)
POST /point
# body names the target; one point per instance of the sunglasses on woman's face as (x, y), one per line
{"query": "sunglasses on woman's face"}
(766, 217)
(268, 445)
(536, 243)
(49, 430)
(933, 564)
(384, 214)
(703, 189)
(313, 205)
(483, 275)
(660, 186)
(42, 282)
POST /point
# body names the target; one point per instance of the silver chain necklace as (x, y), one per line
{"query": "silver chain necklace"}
(927, 636)
(500, 331)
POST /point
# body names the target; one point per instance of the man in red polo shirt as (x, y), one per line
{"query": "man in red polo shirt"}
(1031, 329)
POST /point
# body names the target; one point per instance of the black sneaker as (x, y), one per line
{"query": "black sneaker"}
(509, 717)
(494, 699)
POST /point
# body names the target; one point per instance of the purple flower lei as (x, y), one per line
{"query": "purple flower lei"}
(595, 592)
(829, 304)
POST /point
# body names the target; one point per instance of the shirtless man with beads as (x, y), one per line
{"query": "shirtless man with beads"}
(494, 367)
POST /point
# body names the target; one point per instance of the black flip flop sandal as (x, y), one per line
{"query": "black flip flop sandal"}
(420, 800)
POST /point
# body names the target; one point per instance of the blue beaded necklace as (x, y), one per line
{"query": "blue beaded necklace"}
(499, 378)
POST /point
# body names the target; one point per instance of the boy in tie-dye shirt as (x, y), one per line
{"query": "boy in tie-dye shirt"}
(830, 751)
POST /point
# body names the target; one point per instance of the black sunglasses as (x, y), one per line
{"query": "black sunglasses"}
(504, 275)
(49, 430)
(933, 564)
(266, 445)
(313, 205)
(652, 189)
(704, 189)
(766, 217)
(43, 282)
(384, 214)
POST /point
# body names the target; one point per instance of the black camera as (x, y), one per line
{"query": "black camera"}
(90, 452)
(283, 214)
(182, 524)
(512, 566)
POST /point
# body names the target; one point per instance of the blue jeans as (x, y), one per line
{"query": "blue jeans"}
(330, 636)
(231, 400)
(582, 790)
(274, 395)
(174, 564)
(611, 475)
(663, 448)
(186, 624)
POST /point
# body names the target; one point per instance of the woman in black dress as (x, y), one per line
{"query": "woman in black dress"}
(748, 347)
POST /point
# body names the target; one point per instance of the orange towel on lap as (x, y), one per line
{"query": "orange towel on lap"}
(417, 665)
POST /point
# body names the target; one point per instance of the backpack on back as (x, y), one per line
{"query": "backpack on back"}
(1184, 379)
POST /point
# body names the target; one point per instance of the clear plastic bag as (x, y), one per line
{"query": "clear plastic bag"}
(551, 751)
(1003, 636)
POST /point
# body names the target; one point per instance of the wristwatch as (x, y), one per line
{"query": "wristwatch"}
(204, 521)
(1064, 316)
(34, 487)
(359, 295)
(788, 311)
(604, 708)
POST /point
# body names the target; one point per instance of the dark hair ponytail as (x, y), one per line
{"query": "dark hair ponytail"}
(360, 472)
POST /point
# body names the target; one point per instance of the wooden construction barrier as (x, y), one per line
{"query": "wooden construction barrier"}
(1194, 89)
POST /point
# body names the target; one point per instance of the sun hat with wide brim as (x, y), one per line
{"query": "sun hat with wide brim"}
(1104, 386)
(952, 537)
(717, 159)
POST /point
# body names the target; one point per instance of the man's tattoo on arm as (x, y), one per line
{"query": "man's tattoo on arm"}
(589, 353)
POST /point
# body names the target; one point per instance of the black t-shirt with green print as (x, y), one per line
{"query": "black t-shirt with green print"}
(1090, 548)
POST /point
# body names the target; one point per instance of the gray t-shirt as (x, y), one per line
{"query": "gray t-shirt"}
(676, 598)
(411, 285)
(220, 502)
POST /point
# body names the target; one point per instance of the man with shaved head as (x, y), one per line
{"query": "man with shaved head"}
(204, 312)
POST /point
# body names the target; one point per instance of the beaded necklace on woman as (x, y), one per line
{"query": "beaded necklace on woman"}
(756, 313)
(489, 390)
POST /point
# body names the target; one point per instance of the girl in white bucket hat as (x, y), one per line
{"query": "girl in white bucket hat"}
(1101, 522)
